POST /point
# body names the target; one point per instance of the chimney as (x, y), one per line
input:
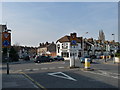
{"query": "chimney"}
(40, 44)
(73, 35)
(47, 43)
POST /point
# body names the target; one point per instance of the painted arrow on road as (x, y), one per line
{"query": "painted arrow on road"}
(61, 75)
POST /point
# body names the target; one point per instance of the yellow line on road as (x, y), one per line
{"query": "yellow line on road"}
(39, 85)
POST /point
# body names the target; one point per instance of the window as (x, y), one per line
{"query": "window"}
(65, 54)
(65, 46)
(58, 46)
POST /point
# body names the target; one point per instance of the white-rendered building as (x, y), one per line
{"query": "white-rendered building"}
(65, 49)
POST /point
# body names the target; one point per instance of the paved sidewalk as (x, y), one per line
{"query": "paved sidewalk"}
(16, 81)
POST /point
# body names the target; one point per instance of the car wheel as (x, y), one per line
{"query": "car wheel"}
(50, 60)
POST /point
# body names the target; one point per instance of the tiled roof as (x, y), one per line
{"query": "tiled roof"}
(64, 39)
(67, 39)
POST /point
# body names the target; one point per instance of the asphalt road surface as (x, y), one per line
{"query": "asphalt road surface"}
(59, 75)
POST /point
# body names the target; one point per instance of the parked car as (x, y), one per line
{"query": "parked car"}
(59, 58)
(82, 59)
(93, 56)
(50, 58)
(26, 58)
(43, 59)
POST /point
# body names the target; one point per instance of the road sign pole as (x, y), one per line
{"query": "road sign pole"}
(6, 43)
(7, 61)
(74, 57)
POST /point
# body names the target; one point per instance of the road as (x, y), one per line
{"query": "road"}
(59, 75)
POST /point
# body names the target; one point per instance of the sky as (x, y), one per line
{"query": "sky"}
(37, 22)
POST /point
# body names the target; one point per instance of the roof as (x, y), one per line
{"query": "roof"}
(67, 39)
(64, 39)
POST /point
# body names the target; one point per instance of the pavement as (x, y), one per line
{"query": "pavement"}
(17, 81)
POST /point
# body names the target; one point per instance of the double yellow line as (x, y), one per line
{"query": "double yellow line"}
(36, 83)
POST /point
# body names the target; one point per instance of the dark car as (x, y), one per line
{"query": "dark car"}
(26, 58)
(59, 58)
(43, 59)
(93, 56)
(50, 58)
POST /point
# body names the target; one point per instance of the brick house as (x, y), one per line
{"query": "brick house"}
(47, 49)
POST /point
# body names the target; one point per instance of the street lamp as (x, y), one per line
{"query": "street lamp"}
(83, 43)
(114, 47)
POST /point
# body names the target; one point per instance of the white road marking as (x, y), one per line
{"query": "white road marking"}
(36, 69)
(37, 63)
(61, 67)
(63, 62)
(19, 70)
(27, 69)
(52, 68)
(109, 72)
(64, 75)
(44, 68)
(103, 74)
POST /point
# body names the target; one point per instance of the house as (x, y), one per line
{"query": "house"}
(47, 49)
(26, 51)
(65, 49)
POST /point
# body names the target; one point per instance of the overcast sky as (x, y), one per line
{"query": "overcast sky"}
(37, 22)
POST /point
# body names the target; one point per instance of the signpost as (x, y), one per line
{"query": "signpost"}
(6, 43)
(6, 39)
(73, 44)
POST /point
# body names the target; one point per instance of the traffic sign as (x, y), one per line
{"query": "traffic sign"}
(6, 39)
(73, 42)
(6, 43)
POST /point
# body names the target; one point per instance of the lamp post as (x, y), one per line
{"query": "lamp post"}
(83, 44)
(114, 47)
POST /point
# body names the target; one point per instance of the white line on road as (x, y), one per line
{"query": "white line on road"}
(63, 62)
(36, 69)
(109, 72)
(19, 70)
(65, 76)
(52, 68)
(44, 68)
(103, 74)
(61, 67)
(27, 69)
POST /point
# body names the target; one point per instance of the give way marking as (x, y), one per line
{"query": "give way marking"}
(61, 75)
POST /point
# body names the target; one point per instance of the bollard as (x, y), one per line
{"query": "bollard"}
(103, 57)
(87, 63)
(72, 62)
(109, 57)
